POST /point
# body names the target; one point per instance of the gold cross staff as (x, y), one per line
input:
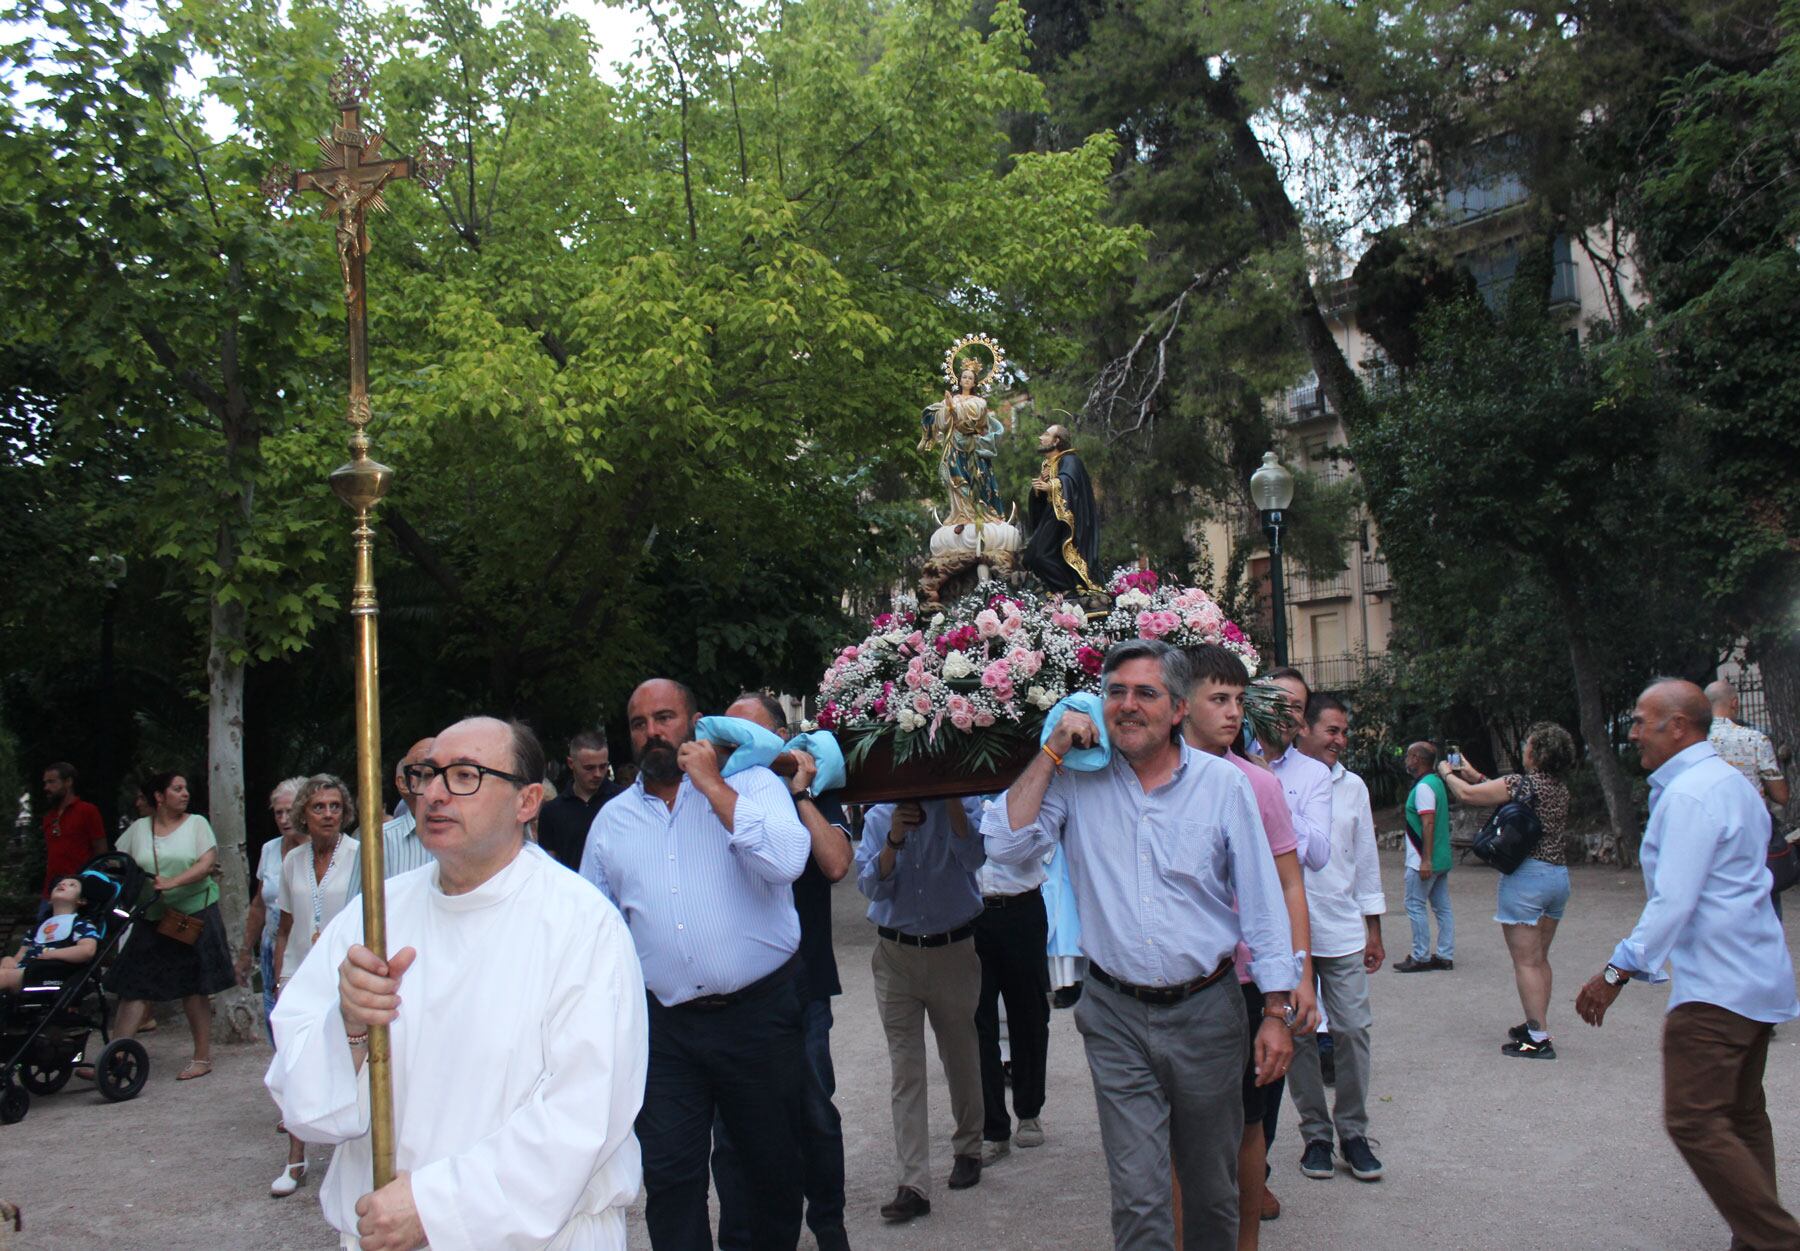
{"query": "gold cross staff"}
(351, 182)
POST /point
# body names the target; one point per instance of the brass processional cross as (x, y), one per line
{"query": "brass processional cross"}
(352, 181)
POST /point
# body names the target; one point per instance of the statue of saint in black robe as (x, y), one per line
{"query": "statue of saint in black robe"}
(1064, 550)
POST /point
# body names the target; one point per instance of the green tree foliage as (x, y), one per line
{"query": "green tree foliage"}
(649, 364)
(1521, 480)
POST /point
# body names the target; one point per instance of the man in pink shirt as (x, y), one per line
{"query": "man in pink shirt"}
(1215, 723)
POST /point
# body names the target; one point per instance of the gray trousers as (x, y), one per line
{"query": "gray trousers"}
(1169, 1080)
(1344, 991)
(944, 983)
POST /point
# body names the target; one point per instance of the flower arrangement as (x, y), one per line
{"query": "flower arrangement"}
(973, 683)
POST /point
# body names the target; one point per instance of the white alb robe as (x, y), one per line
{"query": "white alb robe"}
(519, 1061)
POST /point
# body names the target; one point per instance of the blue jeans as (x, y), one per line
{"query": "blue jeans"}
(821, 1149)
(1436, 894)
(266, 959)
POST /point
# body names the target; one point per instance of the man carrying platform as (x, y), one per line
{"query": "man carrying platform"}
(1163, 841)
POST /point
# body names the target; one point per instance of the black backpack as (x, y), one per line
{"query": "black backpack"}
(1509, 836)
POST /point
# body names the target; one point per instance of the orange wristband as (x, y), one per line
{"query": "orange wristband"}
(1058, 759)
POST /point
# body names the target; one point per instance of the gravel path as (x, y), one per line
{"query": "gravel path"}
(1481, 1151)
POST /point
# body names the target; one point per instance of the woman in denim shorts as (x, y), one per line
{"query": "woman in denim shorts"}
(1531, 897)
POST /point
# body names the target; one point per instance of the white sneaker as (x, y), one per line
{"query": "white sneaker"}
(1030, 1132)
(992, 1151)
(289, 1181)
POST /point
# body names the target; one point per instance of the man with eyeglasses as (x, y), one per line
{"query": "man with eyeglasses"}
(402, 847)
(702, 866)
(1171, 868)
(515, 1005)
(563, 825)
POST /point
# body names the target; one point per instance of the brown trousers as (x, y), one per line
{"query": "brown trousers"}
(1714, 1109)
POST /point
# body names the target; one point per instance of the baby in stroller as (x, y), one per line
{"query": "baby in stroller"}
(63, 942)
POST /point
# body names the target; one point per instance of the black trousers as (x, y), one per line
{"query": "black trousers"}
(745, 1065)
(1011, 941)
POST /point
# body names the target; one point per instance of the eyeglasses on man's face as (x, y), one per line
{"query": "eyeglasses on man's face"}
(459, 779)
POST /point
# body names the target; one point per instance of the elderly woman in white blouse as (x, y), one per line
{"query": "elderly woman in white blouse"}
(316, 883)
(264, 913)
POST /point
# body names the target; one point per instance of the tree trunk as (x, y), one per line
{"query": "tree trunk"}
(1621, 813)
(1779, 661)
(237, 1012)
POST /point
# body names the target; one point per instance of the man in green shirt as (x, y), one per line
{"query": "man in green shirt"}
(1427, 864)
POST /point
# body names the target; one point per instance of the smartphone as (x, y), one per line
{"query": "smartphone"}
(1455, 757)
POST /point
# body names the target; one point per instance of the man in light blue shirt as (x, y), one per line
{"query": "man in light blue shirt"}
(917, 864)
(702, 867)
(402, 850)
(1709, 920)
(1170, 868)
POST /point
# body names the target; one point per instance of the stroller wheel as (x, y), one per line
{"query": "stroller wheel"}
(122, 1070)
(14, 1103)
(46, 1079)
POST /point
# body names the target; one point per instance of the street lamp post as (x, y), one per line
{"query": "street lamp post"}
(1272, 490)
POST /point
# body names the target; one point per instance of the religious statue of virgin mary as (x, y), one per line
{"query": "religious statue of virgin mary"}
(967, 433)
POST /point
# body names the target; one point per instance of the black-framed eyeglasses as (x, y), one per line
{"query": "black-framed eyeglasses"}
(459, 779)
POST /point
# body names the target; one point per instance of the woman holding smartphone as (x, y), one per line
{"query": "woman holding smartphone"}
(1531, 897)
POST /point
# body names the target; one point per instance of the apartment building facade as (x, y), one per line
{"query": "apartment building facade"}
(1338, 622)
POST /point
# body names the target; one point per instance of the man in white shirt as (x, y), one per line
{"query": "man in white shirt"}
(1709, 919)
(1011, 935)
(1305, 781)
(1345, 902)
(1306, 785)
(1743, 747)
(520, 1048)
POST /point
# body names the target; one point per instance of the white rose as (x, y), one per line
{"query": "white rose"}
(937, 620)
(895, 637)
(958, 665)
(910, 720)
(1133, 598)
(1038, 697)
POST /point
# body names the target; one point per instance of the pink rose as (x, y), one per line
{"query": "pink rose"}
(921, 703)
(1068, 621)
(915, 642)
(984, 719)
(987, 623)
(962, 712)
(1010, 626)
(1150, 625)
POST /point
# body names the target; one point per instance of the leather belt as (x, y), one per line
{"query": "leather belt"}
(712, 1003)
(1007, 901)
(1160, 995)
(925, 940)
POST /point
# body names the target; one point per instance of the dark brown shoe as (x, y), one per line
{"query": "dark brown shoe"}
(907, 1203)
(1271, 1209)
(965, 1172)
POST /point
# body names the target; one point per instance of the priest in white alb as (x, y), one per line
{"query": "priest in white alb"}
(517, 1015)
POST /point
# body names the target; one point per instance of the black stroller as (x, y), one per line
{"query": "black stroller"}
(44, 1029)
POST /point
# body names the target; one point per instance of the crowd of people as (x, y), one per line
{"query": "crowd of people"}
(629, 986)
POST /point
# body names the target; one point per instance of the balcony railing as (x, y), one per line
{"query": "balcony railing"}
(1306, 402)
(1376, 576)
(1304, 586)
(1333, 673)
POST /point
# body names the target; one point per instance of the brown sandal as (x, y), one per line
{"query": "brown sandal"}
(195, 1068)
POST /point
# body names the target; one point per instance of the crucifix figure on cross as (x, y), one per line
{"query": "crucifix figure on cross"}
(351, 181)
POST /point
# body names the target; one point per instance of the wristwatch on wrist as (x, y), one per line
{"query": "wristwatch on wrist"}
(1285, 1014)
(1615, 976)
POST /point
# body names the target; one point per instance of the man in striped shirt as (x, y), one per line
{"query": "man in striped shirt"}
(702, 867)
(402, 850)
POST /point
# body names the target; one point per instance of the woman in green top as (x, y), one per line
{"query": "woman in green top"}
(178, 850)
